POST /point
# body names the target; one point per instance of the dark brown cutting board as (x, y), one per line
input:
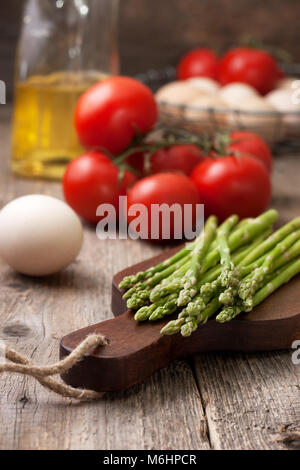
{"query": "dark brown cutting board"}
(137, 350)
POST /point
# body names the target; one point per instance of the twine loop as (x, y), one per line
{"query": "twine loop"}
(43, 374)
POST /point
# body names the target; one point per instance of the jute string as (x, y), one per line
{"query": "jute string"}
(43, 374)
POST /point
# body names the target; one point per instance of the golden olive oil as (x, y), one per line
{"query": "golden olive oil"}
(44, 139)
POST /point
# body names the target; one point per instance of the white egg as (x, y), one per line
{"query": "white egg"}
(206, 85)
(233, 93)
(282, 100)
(176, 92)
(175, 95)
(207, 113)
(257, 115)
(39, 235)
(287, 83)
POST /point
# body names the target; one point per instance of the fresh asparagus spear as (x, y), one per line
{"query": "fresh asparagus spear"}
(139, 291)
(134, 290)
(138, 299)
(146, 312)
(225, 258)
(190, 279)
(168, 308)
(221, 227)
(130, 281)
(259, 269)
(175, 326)
(170, 284)
(263, 263)
(160, 273)
(243, 236)
(237, 258)
(277, 261)
(227, 276)
(287, 272)
(249, 286)
(189, 327)
(290, 254)
(198, 304)
(272, 241)
(280, 263)
(139, 295)
(156, 277)
(196, 311)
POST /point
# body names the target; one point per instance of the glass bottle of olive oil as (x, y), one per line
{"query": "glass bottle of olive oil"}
(65, 47)
(44, 139)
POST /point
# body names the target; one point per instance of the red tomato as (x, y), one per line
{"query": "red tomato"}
(168, 189)
(198, 63)
(233, 185)
(136, 161)
(245, 142)
(110, 112)
(252, 66)
(181, 158)
(91, 180)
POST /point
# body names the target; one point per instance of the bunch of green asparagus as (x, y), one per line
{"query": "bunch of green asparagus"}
(227, 270)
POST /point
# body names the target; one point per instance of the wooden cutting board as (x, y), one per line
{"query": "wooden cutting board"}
(136, 350)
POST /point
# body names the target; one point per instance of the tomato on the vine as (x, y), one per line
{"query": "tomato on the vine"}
(252, 66)
(112, 112)
(179, 158)
(92, 179)
(167, 189)
(199, 62)
(233, 185)
(249, 143)
(136, 161)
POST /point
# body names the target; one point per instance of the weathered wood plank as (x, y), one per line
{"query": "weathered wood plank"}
(248, 398)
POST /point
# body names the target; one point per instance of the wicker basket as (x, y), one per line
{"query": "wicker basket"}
(273, 126)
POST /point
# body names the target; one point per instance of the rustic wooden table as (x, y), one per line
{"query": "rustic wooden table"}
(212, 401)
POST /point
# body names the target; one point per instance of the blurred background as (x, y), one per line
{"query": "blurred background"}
(155, 33)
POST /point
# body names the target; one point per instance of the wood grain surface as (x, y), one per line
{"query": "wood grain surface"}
(212, 401)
